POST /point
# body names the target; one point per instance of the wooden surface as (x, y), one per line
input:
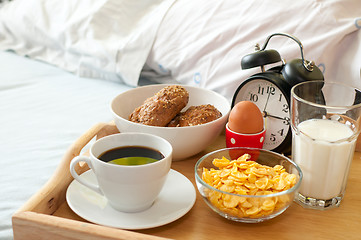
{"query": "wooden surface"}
(47, 215)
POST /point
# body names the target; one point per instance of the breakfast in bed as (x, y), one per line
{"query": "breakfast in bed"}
(207, 119)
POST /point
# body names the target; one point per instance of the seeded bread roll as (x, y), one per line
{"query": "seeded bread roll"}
(160, 109)
(175, 121)
(196, 115)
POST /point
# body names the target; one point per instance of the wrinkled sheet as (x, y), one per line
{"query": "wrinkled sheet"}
(104, 39)
(202, 42)
(197, 43)
(43, 111)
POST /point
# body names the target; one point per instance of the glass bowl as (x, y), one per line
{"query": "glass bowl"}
(257, 187)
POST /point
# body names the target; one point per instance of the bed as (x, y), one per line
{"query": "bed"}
(61, 63)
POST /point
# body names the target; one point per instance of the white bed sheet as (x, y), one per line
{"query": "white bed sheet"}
(43, 110)
(108, 39)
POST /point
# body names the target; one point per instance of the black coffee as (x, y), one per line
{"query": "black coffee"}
(131, 155)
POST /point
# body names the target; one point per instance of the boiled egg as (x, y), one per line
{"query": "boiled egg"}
(245, 117)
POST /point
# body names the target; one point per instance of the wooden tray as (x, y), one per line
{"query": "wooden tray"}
(47, 216)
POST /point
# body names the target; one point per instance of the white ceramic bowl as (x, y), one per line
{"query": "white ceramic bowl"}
(186, 141)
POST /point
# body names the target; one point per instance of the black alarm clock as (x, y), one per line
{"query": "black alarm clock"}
(270, 90)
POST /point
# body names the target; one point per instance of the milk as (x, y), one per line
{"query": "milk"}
(324, 162)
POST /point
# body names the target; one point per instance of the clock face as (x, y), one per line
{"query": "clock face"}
(274, 107)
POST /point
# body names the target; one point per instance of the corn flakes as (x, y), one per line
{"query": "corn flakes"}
(245, 177)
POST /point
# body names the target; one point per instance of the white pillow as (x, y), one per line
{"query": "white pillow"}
(202, 42)
(107, 39)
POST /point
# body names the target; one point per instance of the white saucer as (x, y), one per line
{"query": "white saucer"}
(174, 201)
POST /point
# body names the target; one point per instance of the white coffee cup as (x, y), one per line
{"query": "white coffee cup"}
(128, 188)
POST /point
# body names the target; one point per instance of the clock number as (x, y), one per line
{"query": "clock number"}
(272, 137)
(285, 108)
(286, 121)
(253, 97)
(280, 133)
(270, 90)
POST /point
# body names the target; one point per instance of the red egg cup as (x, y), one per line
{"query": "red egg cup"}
(234, 139)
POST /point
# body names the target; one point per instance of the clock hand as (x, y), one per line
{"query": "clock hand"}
(266, 114)
(265, 106)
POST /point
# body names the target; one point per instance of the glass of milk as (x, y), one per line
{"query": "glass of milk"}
(325, 120)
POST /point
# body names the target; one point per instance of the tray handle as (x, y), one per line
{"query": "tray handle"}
(52, 194)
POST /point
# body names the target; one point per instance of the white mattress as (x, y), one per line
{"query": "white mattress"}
(43, 110)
